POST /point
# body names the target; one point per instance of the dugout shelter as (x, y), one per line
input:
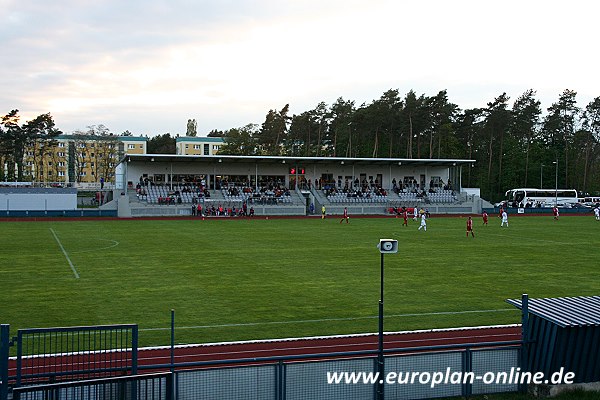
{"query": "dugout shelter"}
(563, 333)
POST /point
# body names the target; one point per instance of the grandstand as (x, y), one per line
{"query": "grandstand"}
(156, 184)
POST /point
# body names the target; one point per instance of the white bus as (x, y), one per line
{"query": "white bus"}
(541, 197)
(590, 201)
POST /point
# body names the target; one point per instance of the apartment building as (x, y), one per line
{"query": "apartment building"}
(83, 160)
(198, 146)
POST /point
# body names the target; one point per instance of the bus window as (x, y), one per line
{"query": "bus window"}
(519, 196)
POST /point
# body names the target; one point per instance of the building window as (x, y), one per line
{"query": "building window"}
(49, 163)
(196, 147)
(216, 147)
(131, 146)
(61, 163)
(141, 146)
(61, 173)
(61, 144)
(82, 145)
(206, 149)
(61, 154)
(82, 173)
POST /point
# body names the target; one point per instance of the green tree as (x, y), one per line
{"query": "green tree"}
(498, 118)
(524, 127)
(162, 144)
(273, 132)
(591, 129)
(559, 129)
(340, 115)
(240, 141)
(191, 128)
(41, 133)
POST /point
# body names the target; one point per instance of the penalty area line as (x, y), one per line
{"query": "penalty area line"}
(65, 253)
(304, 321)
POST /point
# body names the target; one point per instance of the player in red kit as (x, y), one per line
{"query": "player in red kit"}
(470, 227)
(405, 216)
(345, 217)
(555, 212)
(485, 218)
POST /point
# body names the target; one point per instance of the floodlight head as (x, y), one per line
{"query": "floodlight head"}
(387, 246)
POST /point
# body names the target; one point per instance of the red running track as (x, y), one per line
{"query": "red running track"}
(226, 353)
(323, 345)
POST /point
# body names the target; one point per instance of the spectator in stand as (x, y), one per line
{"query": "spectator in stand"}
(193, 210)
(199, 210)
(252, 211)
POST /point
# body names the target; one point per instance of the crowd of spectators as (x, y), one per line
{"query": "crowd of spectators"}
(353, 189)
(221, 211)
(268, 192)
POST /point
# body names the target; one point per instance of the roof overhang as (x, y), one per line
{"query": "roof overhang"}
(171, 158)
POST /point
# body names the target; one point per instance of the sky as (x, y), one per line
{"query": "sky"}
(147, 66)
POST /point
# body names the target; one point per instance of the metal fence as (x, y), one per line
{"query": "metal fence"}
(83, 352)
(48, 358)
(142, 387)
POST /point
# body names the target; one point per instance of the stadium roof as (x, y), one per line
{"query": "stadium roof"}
(199, 139)
(295, 160)
(565, 311)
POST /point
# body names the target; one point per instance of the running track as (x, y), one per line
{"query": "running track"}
(227, 352)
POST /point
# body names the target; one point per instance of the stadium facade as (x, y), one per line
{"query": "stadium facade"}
(281, 185)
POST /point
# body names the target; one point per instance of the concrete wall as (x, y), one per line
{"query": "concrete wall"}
(37, 199)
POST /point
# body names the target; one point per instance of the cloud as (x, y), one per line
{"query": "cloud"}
(90, 60)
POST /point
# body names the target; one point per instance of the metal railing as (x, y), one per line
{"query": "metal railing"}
(143, 387)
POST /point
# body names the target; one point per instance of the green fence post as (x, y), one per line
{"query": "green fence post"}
(4, 344)
(172, 340)
(467, 367)
(134, 360)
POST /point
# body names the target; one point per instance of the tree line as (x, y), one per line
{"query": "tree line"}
(30, 151)
(513, 147)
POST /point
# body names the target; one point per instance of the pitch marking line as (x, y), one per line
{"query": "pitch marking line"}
(327, 319)
(65, 253)
(114, 244)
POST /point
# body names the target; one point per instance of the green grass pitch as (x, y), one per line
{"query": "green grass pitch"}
(255, 279)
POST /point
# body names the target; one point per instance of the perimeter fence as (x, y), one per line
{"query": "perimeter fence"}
(93, 363)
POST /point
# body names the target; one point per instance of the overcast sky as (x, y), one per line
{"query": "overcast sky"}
(148, 65)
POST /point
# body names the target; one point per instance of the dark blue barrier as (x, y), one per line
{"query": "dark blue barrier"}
(91, 212)
(540, 210)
